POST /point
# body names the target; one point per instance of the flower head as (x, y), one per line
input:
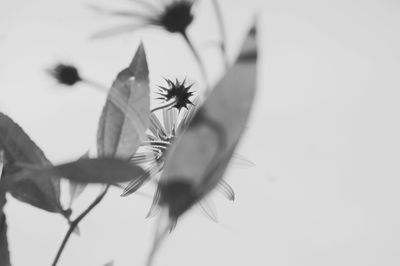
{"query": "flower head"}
(178, 92)
(174, 16)
(65, 74)
(152, 153)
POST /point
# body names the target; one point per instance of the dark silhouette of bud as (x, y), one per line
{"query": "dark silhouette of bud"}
(65, 74)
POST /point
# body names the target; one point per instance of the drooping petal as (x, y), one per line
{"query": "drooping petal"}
(226, 189)
(241, 161)
(207, 207)
(136, 184)
(154, 208)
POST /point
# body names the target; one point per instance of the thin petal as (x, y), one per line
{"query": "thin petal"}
(240, 160)
(169, 117)
(117, 30)
(143, 156)
(135, 184)
(154, 208)
(208, 209)
(155, 126)
(226, 189)
(130, 14)
(147, 4)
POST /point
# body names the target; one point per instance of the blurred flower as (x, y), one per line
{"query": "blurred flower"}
(151, 154)
(174, 16)
(65, 74)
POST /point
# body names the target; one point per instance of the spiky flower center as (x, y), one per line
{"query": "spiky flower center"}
(178, 92)
(177, 16)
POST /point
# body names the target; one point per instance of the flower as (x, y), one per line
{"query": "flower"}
(151, 154)
(65, 74)
(174, 16)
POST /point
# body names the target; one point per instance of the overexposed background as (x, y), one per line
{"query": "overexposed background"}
(324, 133)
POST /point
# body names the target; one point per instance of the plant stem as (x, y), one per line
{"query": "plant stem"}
(170, 103)
(75, 223)
(198, 59)
(222, 32)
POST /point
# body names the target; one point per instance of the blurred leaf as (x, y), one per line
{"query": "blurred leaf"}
(4, 253)
(197, 160)
(1, 164)
(111, 263)
(76, 188)
(40, 191)
(100, 170)
(120, 132)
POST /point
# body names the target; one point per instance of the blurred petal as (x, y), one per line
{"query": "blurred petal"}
(155, 126)
(208, 209)
(226, 189)
(169, 117)
(240, 160)
(117, 30)
(154, 208)
(136, 184)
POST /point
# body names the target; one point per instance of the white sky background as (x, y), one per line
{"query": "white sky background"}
(324, 134)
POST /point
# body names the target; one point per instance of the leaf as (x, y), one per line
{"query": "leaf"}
(4, 253)
(197, 160)
(41, 192)
(125, 116)
(76, 188)
(100, 170)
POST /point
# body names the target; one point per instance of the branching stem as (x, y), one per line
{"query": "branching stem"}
(75, 223)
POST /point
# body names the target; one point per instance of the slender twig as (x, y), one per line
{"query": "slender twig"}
(222, 32)
(198, 59)
(73, 224)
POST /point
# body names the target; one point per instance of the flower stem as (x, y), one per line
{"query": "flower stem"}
(170, 103)
(75, 223)
(222, 32)
(198, 59)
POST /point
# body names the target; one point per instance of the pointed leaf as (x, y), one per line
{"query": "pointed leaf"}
(101, 170)
(41, 192)
(125, 116)
(197, 160)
